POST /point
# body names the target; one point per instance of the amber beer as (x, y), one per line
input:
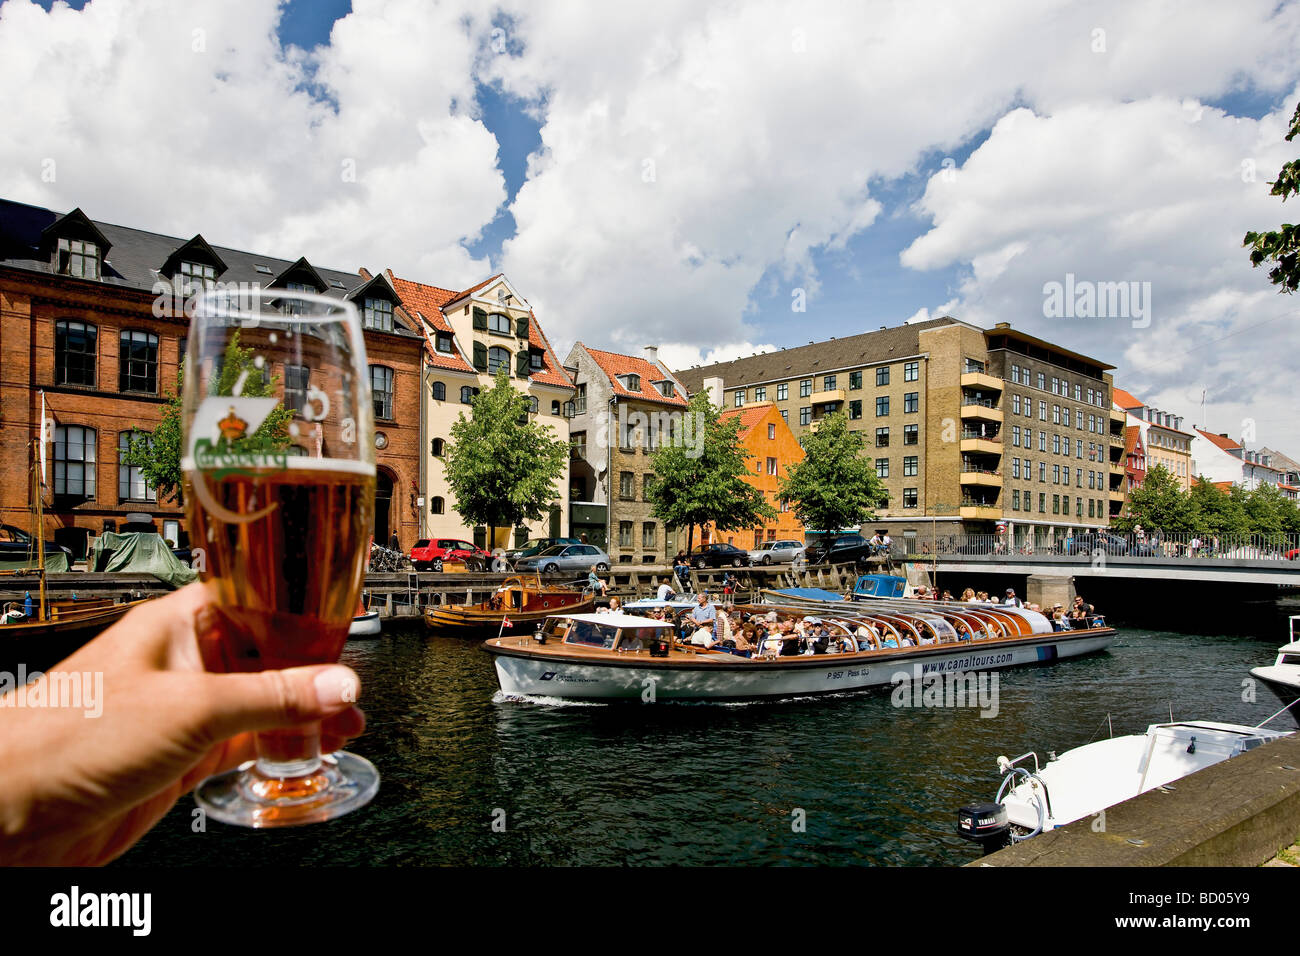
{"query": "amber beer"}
(286, 582)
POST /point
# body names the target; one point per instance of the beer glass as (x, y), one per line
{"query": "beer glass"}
(279, 477)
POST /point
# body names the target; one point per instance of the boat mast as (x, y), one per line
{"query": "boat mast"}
(40, 520)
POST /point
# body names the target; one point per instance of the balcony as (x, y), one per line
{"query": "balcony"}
(1116, 494)
(981, 380)
(989, 446)
(828, 396)
(976, 511)
(980, 409)
(981, 477)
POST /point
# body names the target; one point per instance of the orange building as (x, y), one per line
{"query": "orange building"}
(771, 449)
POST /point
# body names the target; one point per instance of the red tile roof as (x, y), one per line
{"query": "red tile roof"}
(1125, 400)
(1220, 441)
(553, 373)
(614, 364)
(749, 415)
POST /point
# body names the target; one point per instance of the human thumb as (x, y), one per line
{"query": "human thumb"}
(238, 703)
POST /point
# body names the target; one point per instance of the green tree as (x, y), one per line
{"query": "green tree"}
(1219, 512)
(703, 481)
(1159, 504)
(1264, 509)
(835, 486)
(158, 454)
(1282, 245)
(502, 468)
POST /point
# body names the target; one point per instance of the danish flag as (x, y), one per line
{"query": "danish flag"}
(505, 622)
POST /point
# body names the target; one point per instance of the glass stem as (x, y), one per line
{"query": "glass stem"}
(285, 754)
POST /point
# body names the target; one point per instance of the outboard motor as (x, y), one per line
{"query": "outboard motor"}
(985, 824)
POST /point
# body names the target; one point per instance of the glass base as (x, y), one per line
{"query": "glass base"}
(248, 798)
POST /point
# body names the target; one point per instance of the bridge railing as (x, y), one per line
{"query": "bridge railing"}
(1277, 546)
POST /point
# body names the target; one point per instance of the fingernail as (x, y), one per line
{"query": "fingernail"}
(334, 686)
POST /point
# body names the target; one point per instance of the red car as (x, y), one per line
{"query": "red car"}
(429, 554)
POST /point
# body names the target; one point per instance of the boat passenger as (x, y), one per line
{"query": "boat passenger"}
(595, 583)
(665, 592)
(968, 595)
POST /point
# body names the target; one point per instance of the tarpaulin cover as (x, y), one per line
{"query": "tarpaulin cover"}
(56, 562)
(140, 552)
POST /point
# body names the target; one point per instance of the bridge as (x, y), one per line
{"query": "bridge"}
(1237, 570)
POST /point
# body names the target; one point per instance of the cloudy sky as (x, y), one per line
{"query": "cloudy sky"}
(685, 173)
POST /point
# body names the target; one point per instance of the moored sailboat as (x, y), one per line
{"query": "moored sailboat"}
(522, 601)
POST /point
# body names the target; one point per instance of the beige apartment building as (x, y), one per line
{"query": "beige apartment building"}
(971, 430)
(470, 335)
(1162, 436)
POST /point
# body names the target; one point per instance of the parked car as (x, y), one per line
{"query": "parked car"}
(429, 554)
(17, 545)
(1089, 542)
(777, 552)
(841, 549)
(536, 546)
(566, 557)
(716, 555)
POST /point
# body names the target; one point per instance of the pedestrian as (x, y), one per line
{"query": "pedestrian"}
(393, 543)
(665, 592)
(729, 587)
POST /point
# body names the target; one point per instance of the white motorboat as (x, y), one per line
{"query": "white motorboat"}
(845, 647)
(1283, 675)
(1091, 778)
(364, 625)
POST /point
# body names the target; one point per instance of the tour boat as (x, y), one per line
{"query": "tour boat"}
(517, 603)
(1283, 675)
(1091, 778)
(624, 656)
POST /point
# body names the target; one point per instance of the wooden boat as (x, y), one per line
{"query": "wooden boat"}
(622, 656)
(365, 623)
(524, 602)
(71, 624)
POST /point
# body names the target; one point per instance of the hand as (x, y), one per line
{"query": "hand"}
(80, 789)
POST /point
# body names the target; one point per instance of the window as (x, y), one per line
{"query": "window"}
(910, 464)
(972, 365)
(855, 380)
(1042, 441)
(1042, 381)
(1078, 474)
(1015, 374)
(771, 432)
(381, 389)
(500, 324)
(738, 398)
(1078, 448)
(648, 534)
(196, 275)
(439, 391)
(1042, 410)
(1056, 414)
(78, 257)
(1042, 471)
(626, 487)
(1056, 444)
(1056, 504)
(909, 498)
(912, 402)
(138, 362)
(771, 466)
(74, 461)
(1015, 436)
(785, 416)
(1078, 507)
(805, 415)
(436, 505)
(1090, 401)
(74, 353)
(1015, 467)
(1056, 474)
(882, 405)
(131, 485)
(498, 358)
(467, 394)
(533, 405)
(882, 437)
(911, 434)
(782, 392)
(828, 382)
(760, 393)
(625, 534)
(805, 387)
(296, 378)
(911, 371)
(1054, 385)
(882, 375)
(437, 447)
(535, 361)
(1042, 502)
(442, 342)
(855, 408)
(378, 315)
(1015, 500)
(1078, 392)
(1015, 404)
(1065, 475)
(580, 400)
(882, 467)
(1090, 507)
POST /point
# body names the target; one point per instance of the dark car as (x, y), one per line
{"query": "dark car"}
(535, 546)
(841, 549)
(17, 545)
(1091, 542)
(717, 555)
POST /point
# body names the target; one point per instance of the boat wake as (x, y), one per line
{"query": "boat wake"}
(501, 697)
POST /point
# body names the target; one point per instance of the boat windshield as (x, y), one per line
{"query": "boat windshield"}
(591, 634)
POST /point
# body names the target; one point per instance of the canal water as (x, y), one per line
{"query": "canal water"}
(473, 779)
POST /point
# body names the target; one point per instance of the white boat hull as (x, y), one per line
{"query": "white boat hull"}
(365, 625)
(711, 677)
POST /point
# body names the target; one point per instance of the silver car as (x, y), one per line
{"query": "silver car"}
(777, 552)
(566, 557)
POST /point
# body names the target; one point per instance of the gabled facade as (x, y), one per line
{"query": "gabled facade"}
(1162, 436)
(1221, 459)
(469, 335)
(624, 407)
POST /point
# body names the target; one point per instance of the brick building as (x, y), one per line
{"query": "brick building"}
(623, 409)
(92, 317)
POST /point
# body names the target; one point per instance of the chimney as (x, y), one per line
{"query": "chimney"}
(714, 387)
(652, 354)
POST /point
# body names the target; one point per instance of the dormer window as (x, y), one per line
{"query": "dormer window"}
(535, 361)
(630, 382)
(78, 257)
(666, 389)
(442, 342)
(497, 322)
(378, 315)
(197, 275)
